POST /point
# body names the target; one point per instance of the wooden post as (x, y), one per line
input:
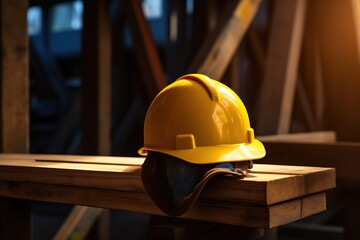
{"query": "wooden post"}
(96, 82)
(96, 78)
(15, 215)
(278, 89)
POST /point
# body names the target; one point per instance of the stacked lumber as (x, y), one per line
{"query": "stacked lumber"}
(271, 195)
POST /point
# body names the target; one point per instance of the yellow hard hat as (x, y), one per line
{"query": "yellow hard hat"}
(201, 121)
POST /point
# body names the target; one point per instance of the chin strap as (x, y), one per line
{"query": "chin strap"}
(174, 185)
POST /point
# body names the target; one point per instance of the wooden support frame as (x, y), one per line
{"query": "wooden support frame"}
(96, 69)
(146, 52)
(15, 217)
(96, 90)
(14, 77)
(279, 83)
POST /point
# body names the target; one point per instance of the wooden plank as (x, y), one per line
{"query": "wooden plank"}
(215, 54)
(235, 213)
(96, 93)
(14, 108)
(259, 188)
(278, 184)
(307, 137)
(146, 52)
(278, 88)
(312, 204)
(309, 205)
(267, 184)
(316, 178)
(91, 159)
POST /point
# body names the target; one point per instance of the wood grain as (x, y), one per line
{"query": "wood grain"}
(235, 213)
(265, 184)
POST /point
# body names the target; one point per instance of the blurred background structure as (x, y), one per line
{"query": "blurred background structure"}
(94, 66)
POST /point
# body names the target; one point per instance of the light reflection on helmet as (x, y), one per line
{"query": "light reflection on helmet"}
(201, 121)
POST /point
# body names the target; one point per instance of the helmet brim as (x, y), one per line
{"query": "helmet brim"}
(215, 154)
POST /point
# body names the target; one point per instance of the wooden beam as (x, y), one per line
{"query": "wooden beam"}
(116, 173)
(96, 93)
(146, 52)
(215, 54)
(96, 81)
(15, 217)
(14, 73)
(278, 88)
(240, 214)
